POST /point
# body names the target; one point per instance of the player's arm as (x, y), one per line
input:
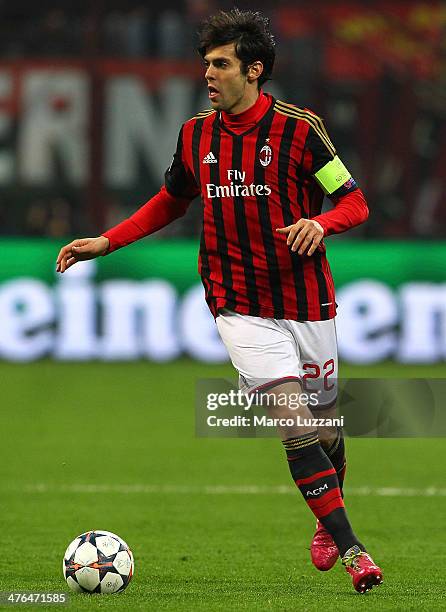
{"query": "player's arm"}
(170, 203)
(350, 207)
(329, 172)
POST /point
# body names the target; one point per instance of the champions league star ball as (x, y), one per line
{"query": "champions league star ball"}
(98, 562)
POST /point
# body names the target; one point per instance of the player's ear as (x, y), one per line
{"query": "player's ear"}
(254, 71)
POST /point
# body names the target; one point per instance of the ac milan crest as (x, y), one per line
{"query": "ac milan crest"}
(265, 155)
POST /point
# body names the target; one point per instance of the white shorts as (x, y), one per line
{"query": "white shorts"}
(266, 351)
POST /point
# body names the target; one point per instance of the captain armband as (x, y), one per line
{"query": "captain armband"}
(334, 176)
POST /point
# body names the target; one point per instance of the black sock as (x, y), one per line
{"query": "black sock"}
(316, 478)
(336, 453)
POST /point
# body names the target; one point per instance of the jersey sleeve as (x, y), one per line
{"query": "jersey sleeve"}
(349, 211)
(326, 167)
(170, 203)
(178, 178)
(155, 214)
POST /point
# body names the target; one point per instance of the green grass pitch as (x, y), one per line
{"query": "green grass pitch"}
(214, 524)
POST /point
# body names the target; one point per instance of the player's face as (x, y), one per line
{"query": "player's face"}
(229, 89)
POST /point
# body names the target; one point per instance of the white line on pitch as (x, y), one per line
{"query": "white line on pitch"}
(219, 490)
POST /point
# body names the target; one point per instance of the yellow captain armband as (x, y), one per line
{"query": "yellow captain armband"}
(332, 176)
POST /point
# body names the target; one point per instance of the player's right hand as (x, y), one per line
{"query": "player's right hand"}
(80, 250)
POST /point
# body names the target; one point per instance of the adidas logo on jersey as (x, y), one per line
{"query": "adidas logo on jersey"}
(210, 158)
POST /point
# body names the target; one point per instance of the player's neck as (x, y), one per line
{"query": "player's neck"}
(248, 101)
(251, 115)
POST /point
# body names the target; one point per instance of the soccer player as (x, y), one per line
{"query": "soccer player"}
(262, 167)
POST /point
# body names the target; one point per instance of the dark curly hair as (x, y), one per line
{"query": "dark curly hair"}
(249, 31)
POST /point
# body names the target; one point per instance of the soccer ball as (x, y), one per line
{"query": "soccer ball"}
(98, 562)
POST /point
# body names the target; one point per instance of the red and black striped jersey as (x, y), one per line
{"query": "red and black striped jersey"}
(256, 171)
(251, 184)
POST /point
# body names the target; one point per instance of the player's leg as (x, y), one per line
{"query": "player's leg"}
(318, 352)
(317, 480)
(319, 370)
(312, 470)
(264, 351)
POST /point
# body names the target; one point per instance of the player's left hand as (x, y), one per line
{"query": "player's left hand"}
(303, 235)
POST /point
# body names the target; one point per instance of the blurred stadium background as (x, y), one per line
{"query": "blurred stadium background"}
(91, 99)
(92, 95)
